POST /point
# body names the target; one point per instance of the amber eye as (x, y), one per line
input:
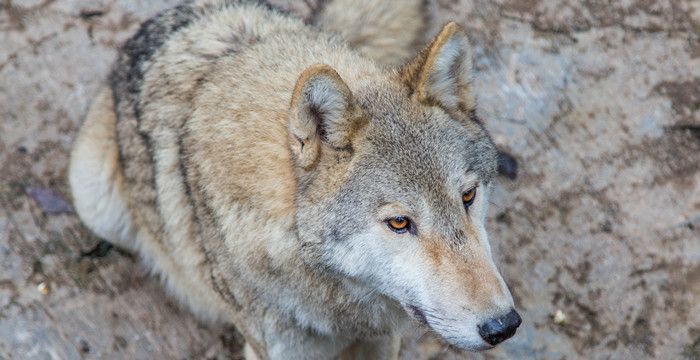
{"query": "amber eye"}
(399, 224)
(468, 197)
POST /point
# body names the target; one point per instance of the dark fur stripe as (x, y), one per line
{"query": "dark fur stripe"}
(138, 50)
(135, 146)
(183, 172)
(209, 236)
(151, 36)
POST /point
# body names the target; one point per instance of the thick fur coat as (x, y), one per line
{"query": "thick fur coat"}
(259, 162)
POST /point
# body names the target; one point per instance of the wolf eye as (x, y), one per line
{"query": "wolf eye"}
(468, 197)
(399, 224)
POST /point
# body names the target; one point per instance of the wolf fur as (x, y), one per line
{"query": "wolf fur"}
(251, 158)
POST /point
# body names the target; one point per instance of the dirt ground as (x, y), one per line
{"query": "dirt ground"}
(598, 237)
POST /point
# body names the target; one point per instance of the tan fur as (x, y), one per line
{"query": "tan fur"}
(472, 277)
(208, 181)
(95, 172)
(386, 31)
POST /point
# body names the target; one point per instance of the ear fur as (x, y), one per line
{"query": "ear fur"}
(441, 74)
(322, 111)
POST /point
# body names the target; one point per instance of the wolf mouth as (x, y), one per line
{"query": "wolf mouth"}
(421, 316)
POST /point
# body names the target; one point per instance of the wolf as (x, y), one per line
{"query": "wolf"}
(284, 175)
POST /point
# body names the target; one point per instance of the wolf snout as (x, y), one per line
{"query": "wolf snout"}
(496, 330)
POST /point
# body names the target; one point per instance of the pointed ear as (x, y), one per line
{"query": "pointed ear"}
(441, 73)
(323, 111)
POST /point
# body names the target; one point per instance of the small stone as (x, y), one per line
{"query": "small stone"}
(100, 250)
(49, 201)
(43, 288)
(87, 14)
(84, 346)
(507, 165)
(559, 317)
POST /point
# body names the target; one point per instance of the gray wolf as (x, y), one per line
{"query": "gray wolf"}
(284, 175)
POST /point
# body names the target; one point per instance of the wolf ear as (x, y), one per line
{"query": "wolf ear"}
(323, 111)
(441, 73)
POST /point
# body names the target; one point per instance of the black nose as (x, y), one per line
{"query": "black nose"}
(496, 330)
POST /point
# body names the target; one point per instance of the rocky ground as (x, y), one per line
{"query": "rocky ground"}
(598, 237)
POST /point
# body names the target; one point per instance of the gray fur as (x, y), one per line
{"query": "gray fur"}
(253, 179)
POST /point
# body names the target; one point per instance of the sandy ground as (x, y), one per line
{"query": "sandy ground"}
(599, 103)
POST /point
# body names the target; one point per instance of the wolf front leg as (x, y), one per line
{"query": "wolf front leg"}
(288, 342)
(386, 347)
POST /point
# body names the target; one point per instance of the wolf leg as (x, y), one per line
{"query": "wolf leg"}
(283, 341)
(95, 175)
(386, 347)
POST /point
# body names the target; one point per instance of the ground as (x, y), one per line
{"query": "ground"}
(598, 236)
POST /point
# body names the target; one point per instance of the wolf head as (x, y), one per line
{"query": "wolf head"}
(393, 186)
